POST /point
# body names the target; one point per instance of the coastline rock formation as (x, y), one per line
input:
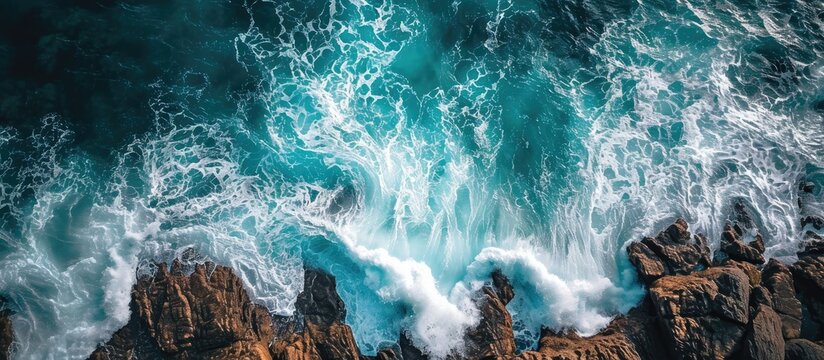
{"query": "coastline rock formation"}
(204, 315)
(730, 307)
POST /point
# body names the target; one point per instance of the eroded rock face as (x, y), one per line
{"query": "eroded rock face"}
(808, 276)
(694, 310)
(704, 314)
(493, 336)
(318, 330)
(205, 315)
(736, 249)
(803, 349)
(671, 252)
(764, 338)
(778, 280)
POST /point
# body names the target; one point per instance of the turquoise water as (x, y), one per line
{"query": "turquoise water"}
(408, 147)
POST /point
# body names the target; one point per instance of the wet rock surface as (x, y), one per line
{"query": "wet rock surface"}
(203, 315)
(493, 336)
(735, 307)
(673, 251)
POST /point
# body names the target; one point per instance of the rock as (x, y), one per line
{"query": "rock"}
(753, 274)
(808, 276)
(815, 221)
(630, 337)
(764, 339)
(319, 303)
(321, 334)
(803, 349)
(704, 314)
(384, 354)
(778, 280)
(670, 252)
(648, 265)
(568, 345)
(493, 336)
(208, 315)
(408, 350)
(6, 331)
(760, 296)
(737, 250)
(806, 186)
(202, 315)
(743, 220)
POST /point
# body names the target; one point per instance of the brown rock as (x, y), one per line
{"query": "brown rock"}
(634, 336)
(569, 346)
(808, 276)
(648, 265)
(748, 268)
(493, 336)
(384, 354)
(803, 349)
(778, 280)
(759, 295)
(736, 249)
(764, 340)
(703, 314)
(203, 315)
(670, 252)
(319, 302)
(321, 334)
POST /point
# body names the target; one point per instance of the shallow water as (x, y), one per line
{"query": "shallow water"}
(408, 147)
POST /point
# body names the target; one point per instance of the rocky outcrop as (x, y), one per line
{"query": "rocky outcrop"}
(703, 315)
(730, 308)
(736, 249)
(631, 337)
(671, 252)
(803, 349)
(317, 331)
(204, 315)
(764, 338)
(808, 276)
(778, 280)
(493, 336)
(6, 332)
(208, 315)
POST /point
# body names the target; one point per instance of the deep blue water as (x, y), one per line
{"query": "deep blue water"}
(408, 147)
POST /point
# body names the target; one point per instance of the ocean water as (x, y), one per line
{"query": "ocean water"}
(407, 147)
